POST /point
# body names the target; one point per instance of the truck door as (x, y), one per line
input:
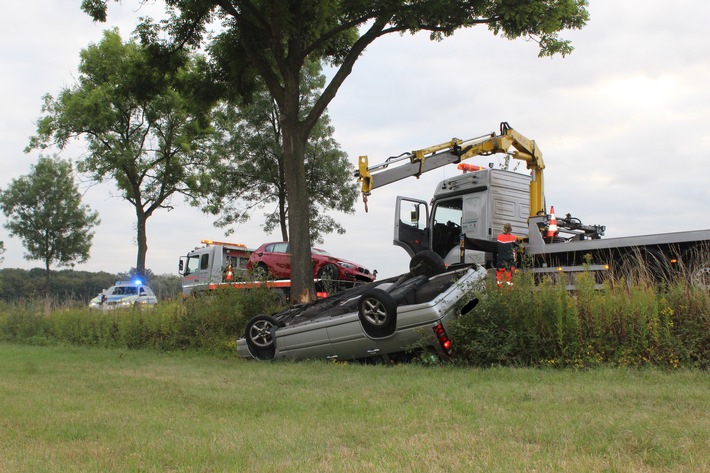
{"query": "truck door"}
(196, 272)
(447, 216)
(410, 225)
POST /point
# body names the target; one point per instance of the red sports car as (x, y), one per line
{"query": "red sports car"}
(275, 260)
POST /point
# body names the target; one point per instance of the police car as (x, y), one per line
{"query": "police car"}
(124, 294)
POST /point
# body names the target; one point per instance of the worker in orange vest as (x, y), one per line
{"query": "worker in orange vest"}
(505, 258)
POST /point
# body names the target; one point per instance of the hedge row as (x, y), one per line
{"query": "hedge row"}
(620, 324)
(210, 322)
(525, 325)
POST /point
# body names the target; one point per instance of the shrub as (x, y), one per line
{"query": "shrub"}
(209, 322)
(629, 324)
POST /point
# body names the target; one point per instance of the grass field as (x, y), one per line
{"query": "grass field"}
(80, 409)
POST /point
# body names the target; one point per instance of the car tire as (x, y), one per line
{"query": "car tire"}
(261, 272)
(329, 272)
(377, 311)
(426, 263)
(260, 338)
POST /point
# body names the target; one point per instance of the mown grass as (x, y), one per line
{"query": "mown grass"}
(86, 409)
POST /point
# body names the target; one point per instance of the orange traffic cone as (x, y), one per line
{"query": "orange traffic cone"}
(552, 229)
(229, 273)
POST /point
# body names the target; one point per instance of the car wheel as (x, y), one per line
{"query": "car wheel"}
(377, 311)
(260, 336)
(426, 263)
(329, 272)
(260, 271)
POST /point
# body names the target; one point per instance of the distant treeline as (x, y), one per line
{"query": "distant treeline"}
(73, 286)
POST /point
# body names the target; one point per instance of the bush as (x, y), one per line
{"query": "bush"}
(625, 324)
(529, 324)
(210, 322)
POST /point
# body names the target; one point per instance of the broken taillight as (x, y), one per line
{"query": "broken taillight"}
(444, 339)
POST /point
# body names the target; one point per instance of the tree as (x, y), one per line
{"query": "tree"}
(251, 170)
(2, 250)
(44, 209)
(274, 40)
(144, 128)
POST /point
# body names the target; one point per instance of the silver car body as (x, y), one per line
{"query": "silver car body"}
(333, 328)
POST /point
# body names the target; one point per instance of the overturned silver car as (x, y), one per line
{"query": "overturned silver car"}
(388, 319)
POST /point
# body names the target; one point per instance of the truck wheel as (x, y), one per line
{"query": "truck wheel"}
(377, 311)
(260, 336)
(426, 263)
(696, 265)
(329, 272)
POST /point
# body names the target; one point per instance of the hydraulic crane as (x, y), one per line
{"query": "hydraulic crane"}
(416, 163)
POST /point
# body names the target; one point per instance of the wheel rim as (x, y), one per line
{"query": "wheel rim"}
(329, 272)
(701, 277)
(260, 334)
(374, 312)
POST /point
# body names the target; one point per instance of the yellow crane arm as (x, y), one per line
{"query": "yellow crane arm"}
(417, 162)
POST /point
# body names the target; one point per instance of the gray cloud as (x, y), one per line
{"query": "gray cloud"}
(622, 121)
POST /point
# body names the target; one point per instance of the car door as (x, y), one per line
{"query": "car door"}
(308, 341)
(277, 259)
(349, 340)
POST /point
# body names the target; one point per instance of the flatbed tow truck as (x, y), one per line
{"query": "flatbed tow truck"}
(219, 264)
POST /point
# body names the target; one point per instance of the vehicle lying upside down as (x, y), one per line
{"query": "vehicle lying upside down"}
(383, 320)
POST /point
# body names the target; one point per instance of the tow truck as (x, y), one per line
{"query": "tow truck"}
(219, 264)
(468, 211)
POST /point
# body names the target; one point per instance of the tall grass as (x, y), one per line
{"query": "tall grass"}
(626, 323)
(209, 322)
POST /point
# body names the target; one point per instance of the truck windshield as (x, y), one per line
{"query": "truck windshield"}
(193, 264)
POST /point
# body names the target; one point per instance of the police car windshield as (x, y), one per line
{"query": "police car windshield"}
(124, 290)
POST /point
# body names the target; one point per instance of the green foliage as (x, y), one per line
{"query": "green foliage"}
(210, 322)
(622, 324)
(44, 209)
(143, 127)
(73, 288)
(272, 42)
(250, 174)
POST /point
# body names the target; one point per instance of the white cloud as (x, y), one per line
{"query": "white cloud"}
(622, 121)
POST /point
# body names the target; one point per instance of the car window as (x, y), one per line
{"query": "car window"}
(280, 248)
(123, 290)
(320, 252)
(205, 261)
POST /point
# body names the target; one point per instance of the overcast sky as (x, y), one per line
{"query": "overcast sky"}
(623, 122)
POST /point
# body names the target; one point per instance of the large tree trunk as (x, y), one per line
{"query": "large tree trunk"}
(282, 202)
(302, 286)
(283, 219)
(141, 240)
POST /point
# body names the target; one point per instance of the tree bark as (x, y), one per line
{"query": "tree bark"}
(141, 240)
(302, 286)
